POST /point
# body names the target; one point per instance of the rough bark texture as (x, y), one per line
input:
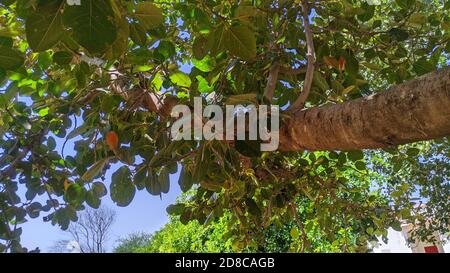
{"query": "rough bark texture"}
(413, 111)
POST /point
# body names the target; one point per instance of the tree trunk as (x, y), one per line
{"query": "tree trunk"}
(413, 111)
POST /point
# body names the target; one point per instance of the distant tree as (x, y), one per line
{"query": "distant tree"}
(133, 242)
(90, 232)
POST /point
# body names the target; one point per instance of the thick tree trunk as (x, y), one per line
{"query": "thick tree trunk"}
(413, 111)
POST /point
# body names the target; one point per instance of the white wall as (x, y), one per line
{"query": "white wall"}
(397, 243)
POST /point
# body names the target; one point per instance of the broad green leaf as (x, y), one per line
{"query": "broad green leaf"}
(6, 41)
(200, 47)
(10, 59)
(62, 57)
(92, 23)
(92, 200)
(138, 34)
(355, 155)
(423, 66)
(320, 81)
(148, 15)
(175, 209)
(412, 151)
(74, 194)
(240, 41)
(120, 45)
(203, 85)
(164, 180)
(185, 180)
(181, 79)
(152, 184)
(205, 65)
(44, 26)
(122, 188)
(99, 189)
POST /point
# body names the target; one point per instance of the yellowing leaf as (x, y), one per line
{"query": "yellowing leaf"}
(348, 89)
(242, 99)
(95, 169)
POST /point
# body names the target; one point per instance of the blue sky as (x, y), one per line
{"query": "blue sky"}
(146, 213)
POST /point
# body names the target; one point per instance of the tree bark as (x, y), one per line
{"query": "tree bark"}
(414, 111)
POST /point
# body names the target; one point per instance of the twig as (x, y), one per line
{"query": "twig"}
(292, 71)
(300, 102)
(300, 226)
(269, 91)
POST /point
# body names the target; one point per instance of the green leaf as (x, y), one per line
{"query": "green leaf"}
(412, 151)
(99, 189)
(10, 59)
(205, 65)
(396, 226)
(164, 180)
(74, 194)
(405, 4)
(200, 47)
(360, 165)
(92, 200)
(295, 233)
(253, 208)
(138, 34)
(62, 57)
(355, 155)
(320, 81)
(175, 209)
(203, 85)
(240, 41)
(51, 143)
(6, 42)
(369, 11)
(423, 66)
(399, 34)
(181, 79)
(185, 180)
(152, 184)
(165, 50)
(44, 112)
(120, 45)
(148, 15)
(95, 170)
(92, 24)
(122, 188)
(44, 26)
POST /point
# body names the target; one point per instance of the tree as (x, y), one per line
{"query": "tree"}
(350, 75)
(132, 243)
(90, 233)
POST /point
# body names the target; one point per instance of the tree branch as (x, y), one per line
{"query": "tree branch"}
(269, 91)
(416, 110)
(300, 227)
(310, 55)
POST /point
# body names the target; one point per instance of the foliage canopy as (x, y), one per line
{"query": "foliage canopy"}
(78, 73)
